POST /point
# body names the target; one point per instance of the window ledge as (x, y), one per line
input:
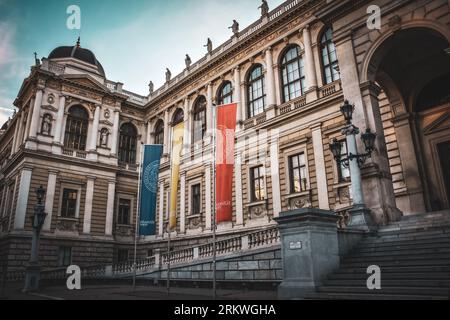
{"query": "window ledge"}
(255, 203)
(297, 194)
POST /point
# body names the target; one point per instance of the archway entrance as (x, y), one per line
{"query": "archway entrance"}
(412, 67)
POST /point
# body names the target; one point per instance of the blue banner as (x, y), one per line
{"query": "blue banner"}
(149, 189)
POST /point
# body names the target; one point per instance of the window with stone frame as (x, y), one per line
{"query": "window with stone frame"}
(292, 73)
(64, 256)
(256, 91)
(196, 199)
(225, 94)
(257, 187)
(122, 255)
(76, 128)
(330, 63)
(199, 119)
(297, 173)
(69, 203)
(128, 143)
(124, 214)
(159, 132)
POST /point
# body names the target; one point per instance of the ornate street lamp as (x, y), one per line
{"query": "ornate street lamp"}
(33, 270)
(359, 216)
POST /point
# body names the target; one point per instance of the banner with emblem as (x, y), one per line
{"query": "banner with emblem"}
(149, 189)
(177, 145)
(225, 135)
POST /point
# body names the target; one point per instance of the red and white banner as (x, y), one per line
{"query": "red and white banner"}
(225, 135)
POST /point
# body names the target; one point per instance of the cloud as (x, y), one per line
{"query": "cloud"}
(12, 70)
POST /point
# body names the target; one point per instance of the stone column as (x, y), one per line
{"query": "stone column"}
(36, 114)
(187, 125)
(376, 180)
(149, 132)
(209, 114)
(237, 95)
(416, 202)
(275, 175)
(110, 207)
(50, 198)
(115, 133)
(309, 250)
(238, 190)
(16, 130)
(182, 202)
(166, 132)
(161, 209)
(57, 141)
(94, 132)
(22, 198)
(311, 78)
(319, 161)
(88, 204)
(19, 138)
(270, 84)
(27, 126)
(208, 197)
(243, 89)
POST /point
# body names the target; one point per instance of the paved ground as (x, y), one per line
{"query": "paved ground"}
(125, 292)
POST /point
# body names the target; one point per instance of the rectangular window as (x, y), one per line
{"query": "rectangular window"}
(124, 211)
(122, 255)
(343, 172)
(65, 256)
(69, 203)
(297, 173)
(257, 184)
(196, 199)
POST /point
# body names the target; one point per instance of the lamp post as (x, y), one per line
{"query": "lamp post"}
(33, 269)
(360, 217)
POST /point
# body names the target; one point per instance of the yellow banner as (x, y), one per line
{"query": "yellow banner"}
(177, 145)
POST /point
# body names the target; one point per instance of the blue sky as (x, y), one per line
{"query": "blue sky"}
(134, 40)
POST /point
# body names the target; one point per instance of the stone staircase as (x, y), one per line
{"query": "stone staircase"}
(414, 257)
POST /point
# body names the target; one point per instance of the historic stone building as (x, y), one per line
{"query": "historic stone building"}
(79, 134)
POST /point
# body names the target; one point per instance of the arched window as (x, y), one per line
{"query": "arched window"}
(76, 128)
(178, 117)
(255, 91)
(159, 132)
(225, 94)
(127, 143)
(46, 127)
(292, 74)
(329, 58)
(199, 119)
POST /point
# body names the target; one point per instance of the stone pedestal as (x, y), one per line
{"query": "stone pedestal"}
(32, 277)
(309, 250)
(361, 219)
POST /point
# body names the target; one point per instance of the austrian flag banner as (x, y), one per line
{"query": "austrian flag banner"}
(225, 135)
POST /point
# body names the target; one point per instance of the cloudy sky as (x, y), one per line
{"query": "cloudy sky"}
(134, 40)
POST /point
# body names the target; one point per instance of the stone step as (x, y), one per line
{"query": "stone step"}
(395, 238)
(391, 275)
(400, 257)
(399, 252)
(400, 247)
(404, 283)
(427, 215)
(397, 269)
(422, 291)
(393, 263)
(404, 228)
(361, 296)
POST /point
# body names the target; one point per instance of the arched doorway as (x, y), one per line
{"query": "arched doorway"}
(412, 67)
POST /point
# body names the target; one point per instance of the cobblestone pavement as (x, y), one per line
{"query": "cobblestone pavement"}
(126, 292)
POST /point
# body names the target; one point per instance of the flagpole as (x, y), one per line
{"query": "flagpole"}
(214, 206)
(138, 215)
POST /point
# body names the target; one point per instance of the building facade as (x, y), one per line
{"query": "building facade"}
(80, 135)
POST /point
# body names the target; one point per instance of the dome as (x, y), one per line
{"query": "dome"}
(79, 53)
